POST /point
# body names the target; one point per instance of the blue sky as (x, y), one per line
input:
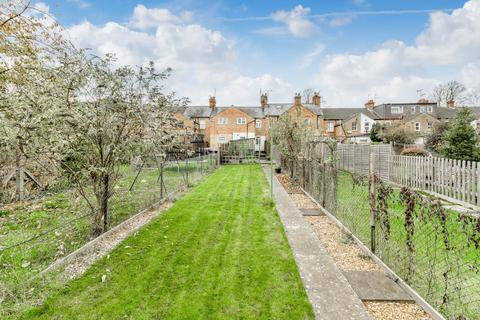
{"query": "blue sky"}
(348, 50)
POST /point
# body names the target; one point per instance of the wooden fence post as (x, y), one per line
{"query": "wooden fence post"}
(371, 191)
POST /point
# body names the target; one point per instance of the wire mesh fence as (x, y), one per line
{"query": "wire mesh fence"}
(34, 234)
(432, 246)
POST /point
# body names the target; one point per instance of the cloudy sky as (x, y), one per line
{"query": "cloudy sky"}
(348, 50)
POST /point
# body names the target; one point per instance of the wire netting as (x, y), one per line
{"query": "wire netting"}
(432, 245)
(34, 234)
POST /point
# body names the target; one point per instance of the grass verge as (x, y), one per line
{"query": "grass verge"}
(220, 253)
(442, 264)
(59, 223)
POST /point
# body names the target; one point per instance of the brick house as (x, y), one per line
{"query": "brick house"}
(220, 124)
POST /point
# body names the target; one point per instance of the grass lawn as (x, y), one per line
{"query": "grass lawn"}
(438, 272)
(55, 211)
(219, 253)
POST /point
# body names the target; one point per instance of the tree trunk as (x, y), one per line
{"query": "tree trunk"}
(19, 177)
(100, 220)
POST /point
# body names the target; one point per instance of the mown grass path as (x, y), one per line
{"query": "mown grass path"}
(219, 253)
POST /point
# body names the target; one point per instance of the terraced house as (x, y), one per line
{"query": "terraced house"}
(220, 124)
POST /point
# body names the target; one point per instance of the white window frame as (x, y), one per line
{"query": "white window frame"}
(222, 120)
(202, 124)
(422, 109)
(367, 126)
(412, 108)
(221, 139)
(258, 123)
(398, 110)
(241, 120)
(429, 109)
(258, 141)
(330, 126)
(418, 126)
(429, 125)
(354, 125)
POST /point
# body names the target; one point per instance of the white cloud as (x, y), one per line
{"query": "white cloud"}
(203, 60)
(308, 58)
(396, 70)
(145, 18)
(341, 20)
(42, 7)
(470, 75)
(296, 21)
(82, 4)
(272, 31)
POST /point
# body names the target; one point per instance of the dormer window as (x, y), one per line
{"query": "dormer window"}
(397, 110)
(412, 108)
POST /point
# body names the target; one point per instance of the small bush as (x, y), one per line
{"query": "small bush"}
(416, 152)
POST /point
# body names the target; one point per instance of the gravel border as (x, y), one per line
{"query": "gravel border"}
(349, 256)
(77, 262)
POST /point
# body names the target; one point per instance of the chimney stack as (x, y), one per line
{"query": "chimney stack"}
(423, 100)
(263, 100)
(316, 99)
(212, 102)
(370, 104)
(298, 99)
(450, 104)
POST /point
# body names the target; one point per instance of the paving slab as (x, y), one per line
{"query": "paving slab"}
(376, 286)
(311, 212)
(327, 288)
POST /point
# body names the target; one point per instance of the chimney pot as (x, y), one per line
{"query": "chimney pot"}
(212, 102)
(316, 99)
(423, 100)
(263, 100)
(370, 104)
(450, 104)
(298, 99)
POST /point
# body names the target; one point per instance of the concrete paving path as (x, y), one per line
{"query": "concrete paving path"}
(328, 290)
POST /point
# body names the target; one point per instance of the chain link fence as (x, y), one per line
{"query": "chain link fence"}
(36, 233)
(430, 244)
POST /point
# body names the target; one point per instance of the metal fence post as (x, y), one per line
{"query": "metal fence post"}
(186, 174)
(371, 191)
(161, 181)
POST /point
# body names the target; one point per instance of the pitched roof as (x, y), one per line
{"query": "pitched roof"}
(412, 116)
(371, 114)
(254, 112)
(340, 113)
(313, 108)
(444, 113)
(277, 109)
(198, 112)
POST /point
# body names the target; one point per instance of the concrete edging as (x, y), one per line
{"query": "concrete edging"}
(91, 244)
(414, 294)
(327, 288)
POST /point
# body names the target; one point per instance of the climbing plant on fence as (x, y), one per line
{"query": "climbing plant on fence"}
(432, 247)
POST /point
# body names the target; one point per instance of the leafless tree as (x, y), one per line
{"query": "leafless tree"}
(307, 95)
(472, 97)
(451, 91)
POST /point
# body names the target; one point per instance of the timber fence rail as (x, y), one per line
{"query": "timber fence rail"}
(432, 248)
(455, 179)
